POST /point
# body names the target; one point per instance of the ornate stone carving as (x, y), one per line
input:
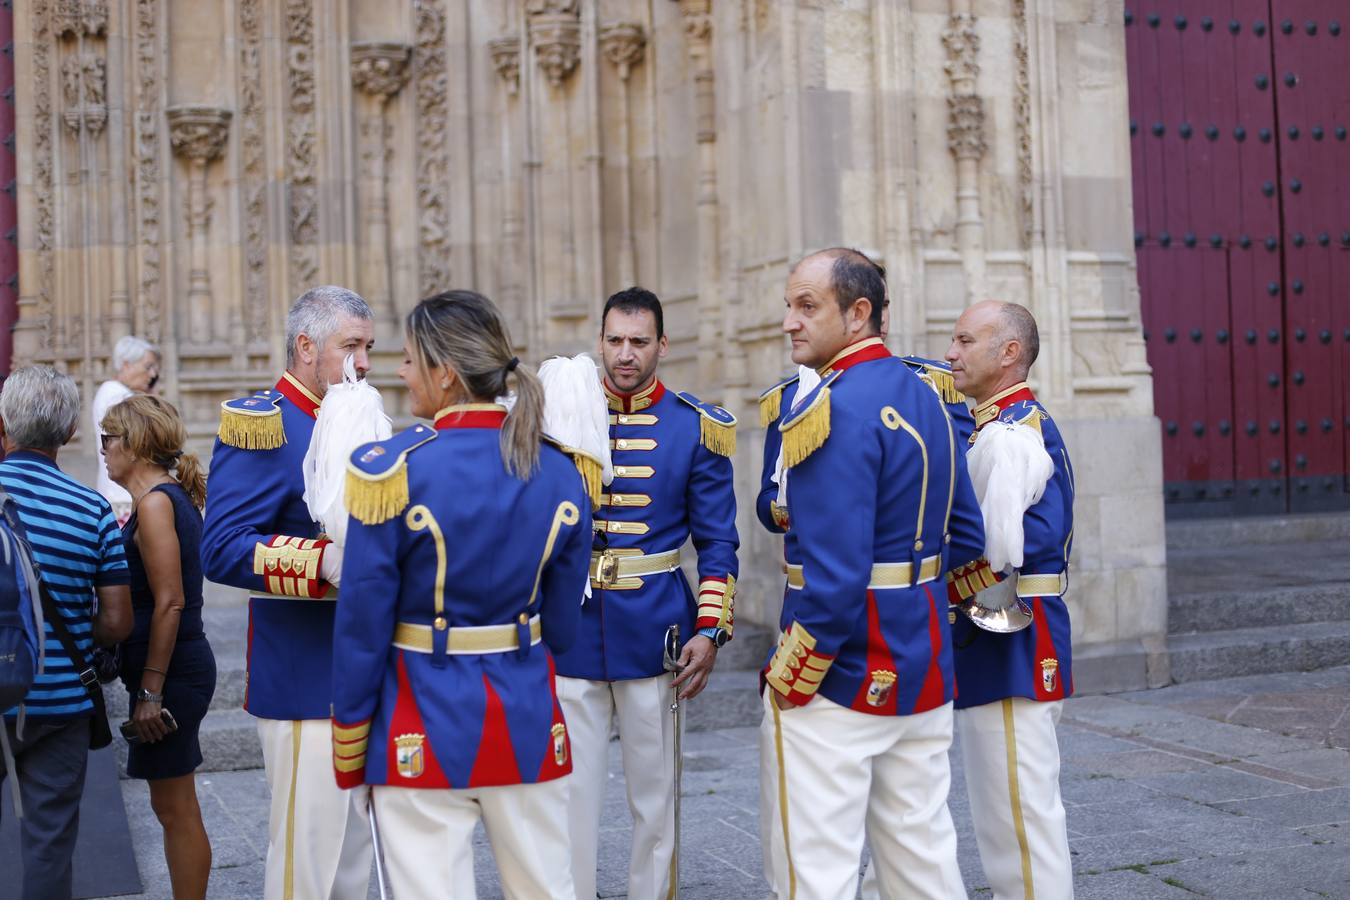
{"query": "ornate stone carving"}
(623, 44)
(433, 161)
(198, 132)
(1022, 117)
(302, 191)
(963, 46)
(505, 53)
(43, 188)
(253, 169)
(380, 68)
(75, 17)
(965, 128)
(148, 62)
(557, 44)
(83, 85)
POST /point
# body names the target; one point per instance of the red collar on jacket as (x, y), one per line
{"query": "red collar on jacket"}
(291, 388)
(471, 415)
(636, 401)
(988, 410)
(861, 351)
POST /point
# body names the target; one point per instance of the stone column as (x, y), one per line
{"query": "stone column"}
(965, 139)
(505, 53)
(554, 32)
(379, 71)
(198, 134)
(698, 35)
(623, 44)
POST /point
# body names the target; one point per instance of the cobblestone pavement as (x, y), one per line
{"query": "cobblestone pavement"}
(1237, 788)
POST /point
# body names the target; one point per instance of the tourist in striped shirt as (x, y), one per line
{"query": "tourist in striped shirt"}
(79, 548)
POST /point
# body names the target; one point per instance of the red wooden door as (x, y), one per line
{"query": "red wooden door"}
(9, 207)
(1239, 260)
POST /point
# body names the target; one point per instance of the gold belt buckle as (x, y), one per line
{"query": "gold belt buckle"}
(607, 571)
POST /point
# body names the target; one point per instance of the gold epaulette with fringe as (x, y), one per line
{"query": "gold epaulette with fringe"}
(376, 489)
(771, 402)
(806, 428)
(717, 427)
(253, 422)
(936, 375)
(591, 469)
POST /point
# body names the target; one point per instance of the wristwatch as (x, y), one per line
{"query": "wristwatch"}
(719, 636)
(145, 696)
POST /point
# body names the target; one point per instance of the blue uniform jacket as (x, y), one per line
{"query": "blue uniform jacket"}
(672, 481)
(258, 536)
(779, 398)
(1037, 662)
(471, 553)
(880, 508)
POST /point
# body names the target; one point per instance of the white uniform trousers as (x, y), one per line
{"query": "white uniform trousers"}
(427, 839)
(845, 776)
(646, 743)
(318, 842)
(1012, 774)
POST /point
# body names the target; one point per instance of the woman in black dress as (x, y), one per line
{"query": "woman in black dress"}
(167, 663)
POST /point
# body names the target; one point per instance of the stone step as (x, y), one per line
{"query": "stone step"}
(1263, 606)
(1208, 655)
(1193, 533)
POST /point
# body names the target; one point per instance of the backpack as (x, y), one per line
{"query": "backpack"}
(19, 616)
(21, 627)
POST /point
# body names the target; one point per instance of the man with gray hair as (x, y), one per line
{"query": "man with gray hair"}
(1013, 686)
(259, 536)
(135, 364)
(77, 545)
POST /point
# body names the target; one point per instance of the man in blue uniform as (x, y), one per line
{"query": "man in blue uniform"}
(1012, 686)
(259, 536)
(859, 689)
(672, 481)
(772, 513)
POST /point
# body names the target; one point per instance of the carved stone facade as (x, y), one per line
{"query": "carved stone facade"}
(549, 152)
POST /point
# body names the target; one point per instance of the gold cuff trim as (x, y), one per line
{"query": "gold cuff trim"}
(884, 575)
(289, 558)
(348, 733)
(795, 665)
(467, 640)
(354, 764)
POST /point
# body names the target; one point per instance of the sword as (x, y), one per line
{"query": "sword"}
(375, 840)
(671, 661)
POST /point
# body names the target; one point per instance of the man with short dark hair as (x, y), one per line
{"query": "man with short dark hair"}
(858, 692)
(78, 546)
(672, 482)
(259, 536)
(1013, 685)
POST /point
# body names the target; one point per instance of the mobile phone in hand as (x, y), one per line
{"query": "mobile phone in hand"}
(129, 728)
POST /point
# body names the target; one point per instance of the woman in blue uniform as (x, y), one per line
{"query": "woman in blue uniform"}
(466, 561)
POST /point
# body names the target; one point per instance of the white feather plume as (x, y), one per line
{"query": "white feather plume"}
(351, 414)
(1009, 469)
(575, 411)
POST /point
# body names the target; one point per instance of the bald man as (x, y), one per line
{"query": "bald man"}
(1012, 686)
